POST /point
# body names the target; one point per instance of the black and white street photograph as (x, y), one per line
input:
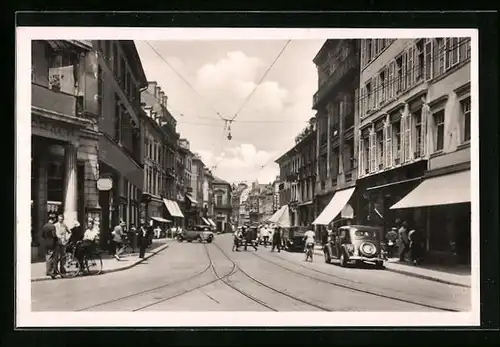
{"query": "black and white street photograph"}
(233, 174)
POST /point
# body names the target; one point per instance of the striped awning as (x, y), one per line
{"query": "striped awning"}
(205, 221)
(162, 220)
(211, 222)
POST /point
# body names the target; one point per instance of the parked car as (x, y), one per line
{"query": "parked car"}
(197, 233)
(293, 238)
(355, 243)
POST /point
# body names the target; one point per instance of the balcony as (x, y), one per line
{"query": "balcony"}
(51, 100)
(349, 64)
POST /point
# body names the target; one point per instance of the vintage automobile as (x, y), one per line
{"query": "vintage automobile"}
(355, 243)
(197, 233)
(293, 238)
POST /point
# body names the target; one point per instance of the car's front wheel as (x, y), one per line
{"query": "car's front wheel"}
(210, 239)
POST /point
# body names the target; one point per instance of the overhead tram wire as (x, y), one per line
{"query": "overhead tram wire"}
(185, 81)
(260, 81)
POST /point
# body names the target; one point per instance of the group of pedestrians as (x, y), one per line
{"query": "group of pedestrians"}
(121, 238)
(57, 236)
(407, 242)
(245, 235)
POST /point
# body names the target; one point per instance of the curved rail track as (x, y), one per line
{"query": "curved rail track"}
(344, 286)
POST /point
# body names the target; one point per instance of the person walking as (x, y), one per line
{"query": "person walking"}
(49, 245)
(63, 235)
(415, 246)
(157, 232)
(404, 242)
(236, 240)
(391, 239)
(264, 233)
(277, 239)
(251, 237)
(119, 239)
(143, 239)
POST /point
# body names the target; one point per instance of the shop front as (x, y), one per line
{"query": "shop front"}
(173, 212)
(446, 202)
(306, 213)
(332, 212)
(377, 193)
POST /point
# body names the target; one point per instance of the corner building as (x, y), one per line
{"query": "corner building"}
(414, 140)
(64, 142)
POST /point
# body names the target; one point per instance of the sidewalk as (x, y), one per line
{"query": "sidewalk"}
(453, 275)
(109, 263)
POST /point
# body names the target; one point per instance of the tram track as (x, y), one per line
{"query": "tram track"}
(251, 297)
(149, 290)
(351, 288)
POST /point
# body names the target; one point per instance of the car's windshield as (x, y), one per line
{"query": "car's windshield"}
(366, 233)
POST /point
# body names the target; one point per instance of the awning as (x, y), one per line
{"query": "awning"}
(205, 221)
(211, 222)
(339, 200)
(442, 190)
(190, 198)
(281, 217)
(173, 208)
(159, 219)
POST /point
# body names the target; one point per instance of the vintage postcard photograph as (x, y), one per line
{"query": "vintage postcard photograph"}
(175, 177)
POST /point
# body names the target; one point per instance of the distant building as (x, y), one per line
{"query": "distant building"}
(186, 202)
(208, 194)
(222, 204)
(237, 191)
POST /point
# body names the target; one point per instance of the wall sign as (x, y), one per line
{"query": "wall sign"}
(104, 184)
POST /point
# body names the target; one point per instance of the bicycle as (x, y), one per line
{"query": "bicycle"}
(91, 261)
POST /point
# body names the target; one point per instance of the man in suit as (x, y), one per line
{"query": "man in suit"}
(142, 237)
(63, 235)
(49, 244)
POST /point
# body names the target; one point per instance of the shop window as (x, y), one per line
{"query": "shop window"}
(439, 130)
(55, 181)
(465, 108)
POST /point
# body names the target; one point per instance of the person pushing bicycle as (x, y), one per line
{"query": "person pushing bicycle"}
(88, 244)
(309, 238)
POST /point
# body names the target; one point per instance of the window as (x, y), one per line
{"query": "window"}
(115, 58)
(417, 120)
(399, 74)
(99, 89)
(439, 56)
(117, 120)
(383, 91)
(428, 59)
(465, 106)
(439, 130)
(63, 75)
(368, 96)
(123, 72)
(410, 66)
(452, 50)
(366, 154)
(380, 149)
(419, 60)
(396, 130)
(369, 50)
(391, 83)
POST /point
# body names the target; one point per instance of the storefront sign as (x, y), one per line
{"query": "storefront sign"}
(104, 184)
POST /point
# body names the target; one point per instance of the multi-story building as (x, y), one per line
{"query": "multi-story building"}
(160, 164)
(276, 194)
(187, 204)
(222, 204)
(121, 79)
(415, 137)
(208, 194)
(266, 203)
(197, 172)
(306, 147)
(237, 191)
(252, 204)
(336, 104)
(244, 207)
(65, 139)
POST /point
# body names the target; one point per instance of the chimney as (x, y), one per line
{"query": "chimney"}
(165, 99)
(162, 96)
(158, 91)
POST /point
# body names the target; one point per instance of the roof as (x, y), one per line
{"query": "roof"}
(130, 49)
(218, 180)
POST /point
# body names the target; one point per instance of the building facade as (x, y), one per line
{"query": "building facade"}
(184, 160)
(121, 153)
(65, 139)
(197, 172)
(208, 194)
(415, 130)
(237, 191)
(222, 204)
(336, 105)
(266, 203)
(305, 206)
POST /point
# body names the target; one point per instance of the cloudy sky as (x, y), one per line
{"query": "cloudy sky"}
(222, 74)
